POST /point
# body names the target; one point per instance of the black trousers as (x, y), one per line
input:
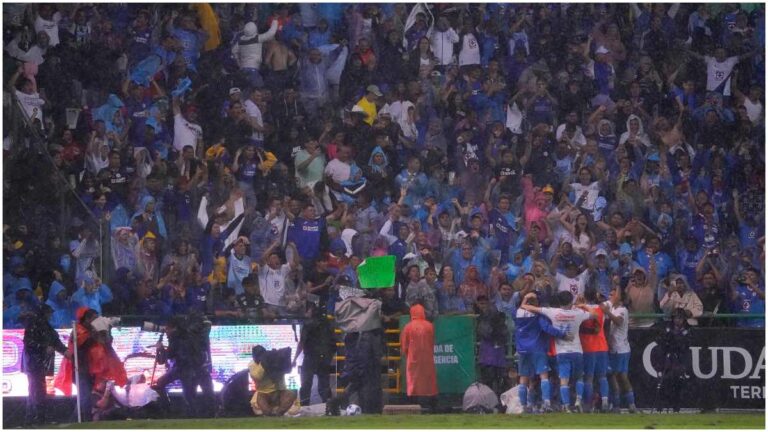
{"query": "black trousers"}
(312, 366)
(36, 401)
(190, 378)
(363, 369)
(493, 377)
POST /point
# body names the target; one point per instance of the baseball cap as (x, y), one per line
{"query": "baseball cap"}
(548, 189)
(234, 90)
(625, 249)
(602, 50)
(601, 252)
(374, 89)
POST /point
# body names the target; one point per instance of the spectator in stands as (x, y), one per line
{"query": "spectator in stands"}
(92, 294)
(748, 296)
(680, 296)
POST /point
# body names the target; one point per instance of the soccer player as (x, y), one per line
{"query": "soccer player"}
(570, 362)
(618, 343)
(595, 348)
(532, 339)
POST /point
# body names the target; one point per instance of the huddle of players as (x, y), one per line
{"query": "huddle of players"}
(574, 333)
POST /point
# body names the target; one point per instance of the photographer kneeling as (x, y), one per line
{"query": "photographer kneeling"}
(268, 369)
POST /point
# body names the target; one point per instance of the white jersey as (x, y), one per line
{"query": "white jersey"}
(470, 51)
(618, 336)
(272, 284)
(569, 321)
(573, 285)
(718, 72)
(185, 133)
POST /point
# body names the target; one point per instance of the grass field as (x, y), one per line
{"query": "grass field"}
(458, 421)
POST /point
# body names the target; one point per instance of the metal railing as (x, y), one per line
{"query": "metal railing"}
(21, 128)
(127, 319)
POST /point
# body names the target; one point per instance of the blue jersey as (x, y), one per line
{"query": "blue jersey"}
(306, 235)
(532, 332)
(748, 302)
(748, 235)
(504, 228)
(191, 42)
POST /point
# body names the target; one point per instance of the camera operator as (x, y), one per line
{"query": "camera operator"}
(268, 369)
(189, 349)
(675, 346)
(40, 343)
(318, 344)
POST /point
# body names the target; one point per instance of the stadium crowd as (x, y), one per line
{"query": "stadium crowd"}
(240, 159)
(492, 149)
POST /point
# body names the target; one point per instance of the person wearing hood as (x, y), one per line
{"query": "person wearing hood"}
(635, 134)
(40, 343)
(149, 218)
(92, 294)
(66, 375)
(107, 112)
(680, 296)
(606, 139)
(417, 342)
(61, 305)
(247, 51)
(124, 248)
(15, 279)
(147, 259)
(378, 171)
(24, 303)
(641, 295)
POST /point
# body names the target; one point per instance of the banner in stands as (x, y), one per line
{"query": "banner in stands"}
(727, 368)
(230, 352)
(454, 352)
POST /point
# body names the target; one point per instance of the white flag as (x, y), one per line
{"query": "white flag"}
(417, 9)
(239, 209)
(202, 214)
(514, 118)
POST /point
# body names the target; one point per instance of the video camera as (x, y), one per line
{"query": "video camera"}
(149, 326)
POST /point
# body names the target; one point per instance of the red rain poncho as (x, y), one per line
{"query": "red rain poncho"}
(417, 343)
(103, 362)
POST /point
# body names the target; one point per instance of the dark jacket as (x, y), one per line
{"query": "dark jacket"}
(38, 336)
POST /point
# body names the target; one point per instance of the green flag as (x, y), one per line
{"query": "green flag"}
(377, 272)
